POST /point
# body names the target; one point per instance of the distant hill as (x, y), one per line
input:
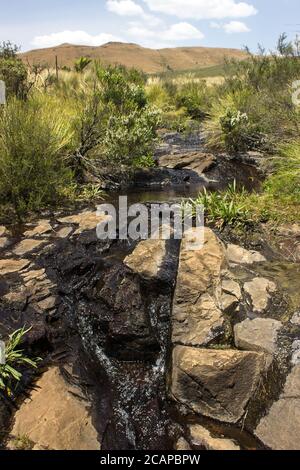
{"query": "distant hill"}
(132, 55)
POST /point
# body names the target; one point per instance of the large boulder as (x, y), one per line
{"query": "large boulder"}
(197, 319)
(216, 383)
(280, 428)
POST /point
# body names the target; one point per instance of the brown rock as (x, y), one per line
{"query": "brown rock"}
(260, 290)
(147, 258)
(42, 228)
(87, 220)
(201, 437)
(280, 428)
(182, 444)
(196, 318)
(27, 246)
(197, 161)
(9, 266)
(54, 418)
(216, 384)
(64, 232)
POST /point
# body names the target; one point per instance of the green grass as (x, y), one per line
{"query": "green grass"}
(223, 208)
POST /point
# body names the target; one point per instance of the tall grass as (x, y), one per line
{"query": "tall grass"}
(35, 140)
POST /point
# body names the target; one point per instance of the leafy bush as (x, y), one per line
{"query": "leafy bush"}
(12, 71)
(35, 138)
(254, 109)
(15, 359)
(130, 136)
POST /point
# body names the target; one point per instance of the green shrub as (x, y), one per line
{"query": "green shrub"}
(285, 182)
(82, 63)
(12, 71)
(158, 96)
(130, 136)
(35, 139)
(195, 98)
(224, 207)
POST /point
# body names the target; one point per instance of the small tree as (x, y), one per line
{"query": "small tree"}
(12, 71)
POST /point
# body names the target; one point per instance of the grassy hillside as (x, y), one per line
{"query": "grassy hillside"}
(132, 55)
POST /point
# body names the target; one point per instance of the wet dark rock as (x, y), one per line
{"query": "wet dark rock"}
(129, 332)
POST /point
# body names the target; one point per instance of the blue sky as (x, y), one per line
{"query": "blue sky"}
(151, 23)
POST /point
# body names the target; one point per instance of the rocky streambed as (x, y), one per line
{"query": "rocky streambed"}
(151, 345)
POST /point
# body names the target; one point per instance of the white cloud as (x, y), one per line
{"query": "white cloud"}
(124, 8)
(202, 9)
(182, 32)
(236, 27)
(130, 8)
(176, 32)
(73, 37)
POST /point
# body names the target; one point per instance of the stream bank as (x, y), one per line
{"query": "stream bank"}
(154, 346)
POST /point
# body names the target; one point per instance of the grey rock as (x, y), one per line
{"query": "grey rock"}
(238, 255)
(259, 334)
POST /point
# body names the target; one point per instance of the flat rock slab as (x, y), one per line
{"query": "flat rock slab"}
(238, 255)
(53, 418)
(196, 318)
(27, 246)
(42, 228)
(215, 383)
(64, 232)
(201, 437)
(9, 266)
(197, 161)
(260, 291)
(87, 220)
(280, 428)
(259, 334)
